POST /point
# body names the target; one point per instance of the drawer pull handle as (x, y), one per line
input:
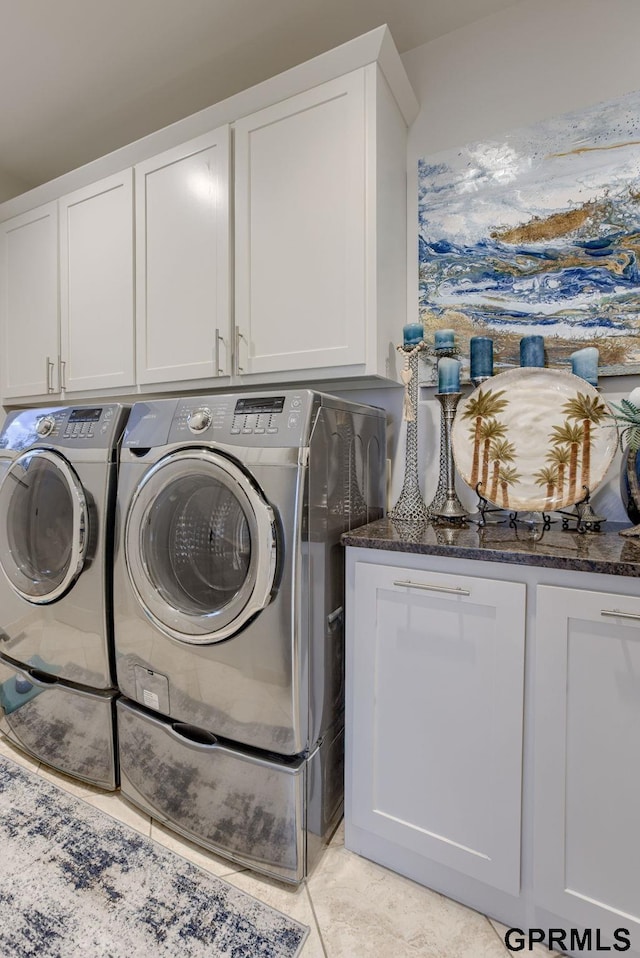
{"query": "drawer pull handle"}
(432, 588)
(41, 678)
(620, 615)
(192, 733)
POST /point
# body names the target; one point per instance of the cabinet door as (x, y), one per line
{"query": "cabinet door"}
(29, 302)
(587, 750)
(435, 698)
(300, 231)
(182, 252)
(96, 285)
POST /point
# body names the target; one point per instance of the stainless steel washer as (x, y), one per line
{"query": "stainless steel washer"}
(228, 614)
(57, 497)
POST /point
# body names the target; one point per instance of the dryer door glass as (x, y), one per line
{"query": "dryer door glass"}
(200, 546)
(43, 527)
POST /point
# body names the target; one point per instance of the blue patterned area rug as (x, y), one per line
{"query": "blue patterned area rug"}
(74, 882)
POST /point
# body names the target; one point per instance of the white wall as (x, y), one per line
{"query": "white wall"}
(538, 59)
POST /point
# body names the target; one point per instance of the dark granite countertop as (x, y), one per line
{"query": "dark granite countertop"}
(606, 552)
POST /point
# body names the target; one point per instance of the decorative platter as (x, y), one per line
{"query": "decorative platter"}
(533, 439)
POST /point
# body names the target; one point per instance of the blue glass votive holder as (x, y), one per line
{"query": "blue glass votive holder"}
(412, 334)
(444, 339)
(532, 351)
(448, 375)
(584, 363)
(481, 357)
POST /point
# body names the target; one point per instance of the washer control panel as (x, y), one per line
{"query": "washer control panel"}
(280, 419)
(83, 423)
(258, 416)
(65, 426)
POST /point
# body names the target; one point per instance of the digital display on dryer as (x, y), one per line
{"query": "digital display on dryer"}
(85, 415)
(250, 406)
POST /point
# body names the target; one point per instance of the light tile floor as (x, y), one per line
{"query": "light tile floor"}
(354, 908)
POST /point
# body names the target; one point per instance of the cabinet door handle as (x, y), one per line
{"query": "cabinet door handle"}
(63, 372)
(407, 583)
(219, 371)
(50, 365)
(334, 616)
(615, 614)
(239, 336)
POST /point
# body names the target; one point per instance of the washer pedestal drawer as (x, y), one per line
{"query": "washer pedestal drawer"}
(243, 804)
(65, 726)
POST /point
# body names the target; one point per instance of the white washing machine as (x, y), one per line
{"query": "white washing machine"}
(58, 470)
(228, 614)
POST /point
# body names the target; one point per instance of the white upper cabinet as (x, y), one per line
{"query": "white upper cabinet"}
(193, 269)
(308, 212)
(300, 231)
(29, 302)
(96, 286)
(66, 282)
(182, 254)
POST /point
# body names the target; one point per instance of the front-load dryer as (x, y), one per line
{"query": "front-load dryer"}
(58, 469)
(229, 598)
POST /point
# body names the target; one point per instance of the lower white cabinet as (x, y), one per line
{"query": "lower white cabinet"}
(437, 747)
(435, 705)
(587, 759)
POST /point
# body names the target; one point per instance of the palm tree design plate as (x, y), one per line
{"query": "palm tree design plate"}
(533, 439)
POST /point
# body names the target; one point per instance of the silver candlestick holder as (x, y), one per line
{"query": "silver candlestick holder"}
(445, 503)
(410, 506)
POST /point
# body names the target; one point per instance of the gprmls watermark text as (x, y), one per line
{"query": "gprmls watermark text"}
(566, 939)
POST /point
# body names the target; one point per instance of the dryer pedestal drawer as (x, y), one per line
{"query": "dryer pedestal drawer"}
(244, 805)
(69, 728)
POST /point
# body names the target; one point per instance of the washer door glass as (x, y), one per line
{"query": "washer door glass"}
(43, 526)
(200, 546)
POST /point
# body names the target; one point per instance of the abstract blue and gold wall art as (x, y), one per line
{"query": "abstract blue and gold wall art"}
(537, 232)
